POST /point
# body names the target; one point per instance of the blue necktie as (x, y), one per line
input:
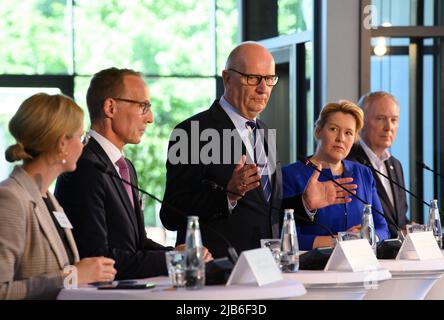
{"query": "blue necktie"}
(260, 158)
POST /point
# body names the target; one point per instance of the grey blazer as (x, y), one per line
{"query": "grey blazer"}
(32, 254)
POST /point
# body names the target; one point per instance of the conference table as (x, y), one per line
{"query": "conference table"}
(337, 285)
(163, 290)
(437, 291)
(398, 279)
(411, 279)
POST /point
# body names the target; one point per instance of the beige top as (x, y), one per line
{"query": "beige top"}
(32, 254)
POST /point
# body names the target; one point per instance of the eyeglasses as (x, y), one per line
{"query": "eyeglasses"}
(144, 106)
(255, 79)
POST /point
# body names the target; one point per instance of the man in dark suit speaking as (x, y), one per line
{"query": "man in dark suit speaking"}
(229, 146)
(105, 212)
(381, 110)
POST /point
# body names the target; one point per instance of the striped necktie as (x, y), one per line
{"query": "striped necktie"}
(260, 158)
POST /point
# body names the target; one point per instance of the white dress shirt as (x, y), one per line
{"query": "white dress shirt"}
(110, 149)
(246, 135)
(379, 164)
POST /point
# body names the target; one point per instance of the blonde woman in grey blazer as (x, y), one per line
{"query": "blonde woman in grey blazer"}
(36, 243)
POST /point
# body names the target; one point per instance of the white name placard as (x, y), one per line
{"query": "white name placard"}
(352, 255)
(419, 246)
(255, 266)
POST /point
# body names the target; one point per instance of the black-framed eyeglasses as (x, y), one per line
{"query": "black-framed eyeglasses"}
(255, 79)
(144, 106)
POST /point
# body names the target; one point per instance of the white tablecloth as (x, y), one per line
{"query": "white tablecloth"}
(163, 291)
(337, 285)
(411, 279)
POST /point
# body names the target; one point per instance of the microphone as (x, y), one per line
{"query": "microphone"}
(313, 166)
(215, 186)
(387, 249)
(315, 259)
(232, 254)
(426, 167)
(369, 165)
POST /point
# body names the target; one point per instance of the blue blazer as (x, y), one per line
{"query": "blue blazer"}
(337, 217)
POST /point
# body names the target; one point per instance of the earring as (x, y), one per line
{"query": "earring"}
(64, 154)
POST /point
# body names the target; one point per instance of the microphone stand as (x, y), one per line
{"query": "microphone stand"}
(218, 187)
(230, 249)
(313, 166)
(315, 259)
(365, 163)
(424, 166)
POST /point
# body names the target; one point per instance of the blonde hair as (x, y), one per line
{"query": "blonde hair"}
(40, 122)
(343, 106)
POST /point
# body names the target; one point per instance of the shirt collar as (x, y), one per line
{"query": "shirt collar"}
(238, 120)
(110, 149)
(374, 159)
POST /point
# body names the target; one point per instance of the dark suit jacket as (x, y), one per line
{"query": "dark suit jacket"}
(105, 224)
(396, 213)
(251, 220)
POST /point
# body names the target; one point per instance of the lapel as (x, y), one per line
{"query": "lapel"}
(42, 215)
(68, 232)
(392, 174)
(382, 193)
(95, 147)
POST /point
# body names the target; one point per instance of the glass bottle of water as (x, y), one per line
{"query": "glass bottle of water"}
(368, 227)
(194, 259)
(289, 259)
(434, 223)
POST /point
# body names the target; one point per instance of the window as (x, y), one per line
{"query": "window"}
(174, 44)
(294, 16)
(402, 13)
(35, 37)
(10, 100)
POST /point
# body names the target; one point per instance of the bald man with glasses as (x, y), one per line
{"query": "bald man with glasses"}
(235, 152)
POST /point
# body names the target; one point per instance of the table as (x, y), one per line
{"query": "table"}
(336, 285)
(437, 291)
(286, 288)
(411, 279)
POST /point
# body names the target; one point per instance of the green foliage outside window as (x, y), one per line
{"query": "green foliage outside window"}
(294, 16)
(171, 42)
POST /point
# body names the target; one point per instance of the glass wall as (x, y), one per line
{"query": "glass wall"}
(35, 37)
(404, 12)
(173, 43)
(295, 16)
(309, 97)
(391, 73)
(429, 142)
(10, 100)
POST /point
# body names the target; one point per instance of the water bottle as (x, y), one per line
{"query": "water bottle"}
(289, 259)
(194, 256)
(368, 227)
(434, 223)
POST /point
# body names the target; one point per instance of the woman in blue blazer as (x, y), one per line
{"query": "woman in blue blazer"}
(336, 129)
